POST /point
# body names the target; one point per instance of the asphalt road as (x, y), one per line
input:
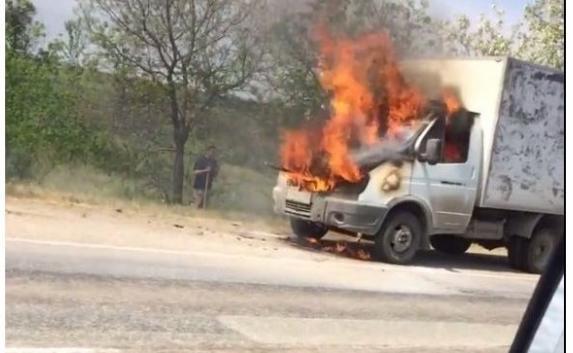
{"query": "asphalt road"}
(96, 297)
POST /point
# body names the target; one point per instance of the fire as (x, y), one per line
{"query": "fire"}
(452, 151)
(451, 100)
(342, 248)
(369, 99)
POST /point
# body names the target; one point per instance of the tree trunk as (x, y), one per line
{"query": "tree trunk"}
(178, 171)
(180, 135)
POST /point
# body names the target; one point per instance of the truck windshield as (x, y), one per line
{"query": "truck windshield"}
(394, 145)
(408, 132)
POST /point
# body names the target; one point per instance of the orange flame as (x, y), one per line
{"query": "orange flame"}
(451, 100)
(369, 99)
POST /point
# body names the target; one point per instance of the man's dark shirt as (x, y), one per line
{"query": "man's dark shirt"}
(200, 179)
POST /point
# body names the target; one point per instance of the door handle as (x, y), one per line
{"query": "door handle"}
(447, 182)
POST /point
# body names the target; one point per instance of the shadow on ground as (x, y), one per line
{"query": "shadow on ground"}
(350, 247)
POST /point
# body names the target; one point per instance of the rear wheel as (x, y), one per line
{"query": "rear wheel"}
(532, 255)
(399, 239)
(540, 248)
(307, 229)
(450, 244)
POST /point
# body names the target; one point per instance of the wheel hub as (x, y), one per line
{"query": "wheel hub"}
(402, 239)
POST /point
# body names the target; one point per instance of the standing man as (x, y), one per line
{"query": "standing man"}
(205, 170)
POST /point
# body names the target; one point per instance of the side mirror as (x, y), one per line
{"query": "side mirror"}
(433, 152)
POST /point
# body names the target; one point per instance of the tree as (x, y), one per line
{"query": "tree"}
(72, 47)
(539, 38)
(197, 50)
(22, 32)
(543, 40)
(486, 38)
(42, 125)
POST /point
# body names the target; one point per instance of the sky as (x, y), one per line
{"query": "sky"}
(473, 8)
(53, 13)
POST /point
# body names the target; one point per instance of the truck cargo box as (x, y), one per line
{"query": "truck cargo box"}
(521, 109)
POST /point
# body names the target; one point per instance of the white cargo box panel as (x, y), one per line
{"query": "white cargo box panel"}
(521, 112)
(526, 169)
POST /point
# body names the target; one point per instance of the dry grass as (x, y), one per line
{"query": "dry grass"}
(241, 195)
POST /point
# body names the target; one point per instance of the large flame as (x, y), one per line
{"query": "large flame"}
(369, 99)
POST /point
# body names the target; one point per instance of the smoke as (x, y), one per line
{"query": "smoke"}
(390, 149)
(413, 26)
(460, 123)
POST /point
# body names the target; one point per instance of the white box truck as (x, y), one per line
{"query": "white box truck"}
(507, 190)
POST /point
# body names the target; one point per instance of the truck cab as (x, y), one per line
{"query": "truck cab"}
(421, 195)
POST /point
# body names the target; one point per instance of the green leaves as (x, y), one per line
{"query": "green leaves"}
(543, 40)
(42, 102)
(22, 32)
(539, 38)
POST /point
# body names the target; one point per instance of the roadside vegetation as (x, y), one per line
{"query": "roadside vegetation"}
(122, 103)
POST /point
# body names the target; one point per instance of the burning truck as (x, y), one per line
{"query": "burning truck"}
(429, 152)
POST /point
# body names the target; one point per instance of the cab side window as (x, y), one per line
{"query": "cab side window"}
(456, 148)
(455, 143)
(457, 138)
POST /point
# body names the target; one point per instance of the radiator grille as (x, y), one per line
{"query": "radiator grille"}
(297, 208)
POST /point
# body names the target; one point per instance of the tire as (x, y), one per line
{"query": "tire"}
(539, 249)
(532, 255)
(307, 229)
(399, 238)
(450, 244)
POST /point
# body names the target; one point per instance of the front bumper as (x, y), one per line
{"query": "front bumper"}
(335, 212)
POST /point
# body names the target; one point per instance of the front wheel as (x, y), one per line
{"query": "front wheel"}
(399, 239)
(450, 244)
(307, 229)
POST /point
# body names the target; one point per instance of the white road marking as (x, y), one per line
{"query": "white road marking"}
(390, 334)
(59, 350)
(384, 267)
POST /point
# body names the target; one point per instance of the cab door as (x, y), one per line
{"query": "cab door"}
(449, 186)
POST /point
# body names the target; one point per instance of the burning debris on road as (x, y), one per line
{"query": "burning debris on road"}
(343, 248)
(372, 108)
